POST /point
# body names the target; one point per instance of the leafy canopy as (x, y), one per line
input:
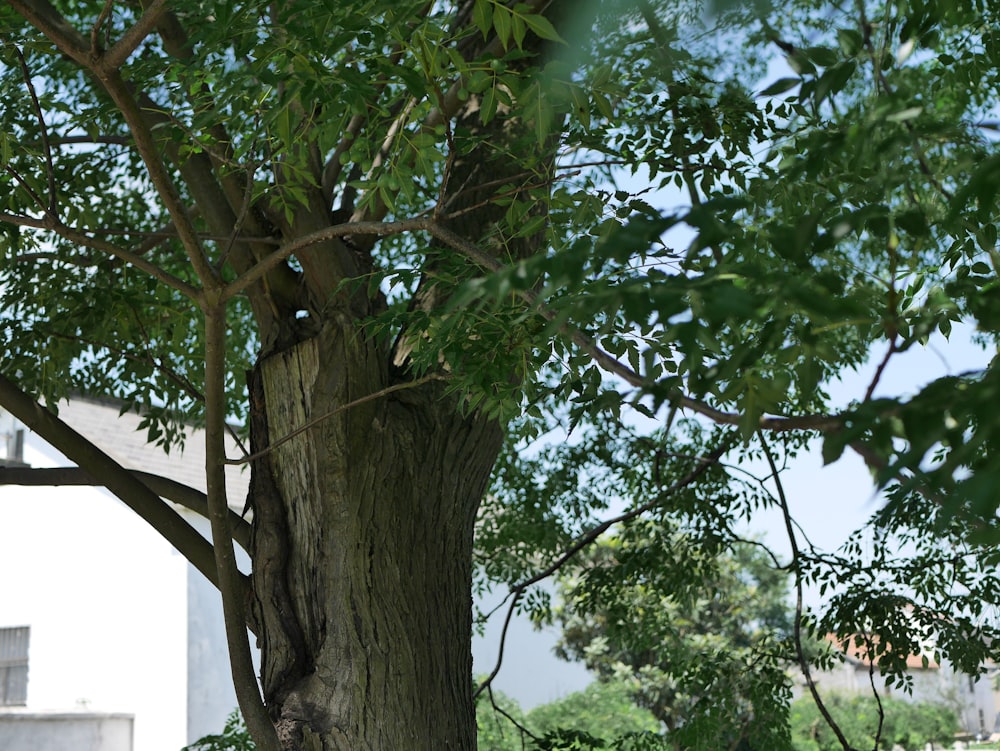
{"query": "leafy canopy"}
(719, 241)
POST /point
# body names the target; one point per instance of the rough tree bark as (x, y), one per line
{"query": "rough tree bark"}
(362, 552)
(363, 534)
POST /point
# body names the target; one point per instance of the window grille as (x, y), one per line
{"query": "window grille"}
(14, 666)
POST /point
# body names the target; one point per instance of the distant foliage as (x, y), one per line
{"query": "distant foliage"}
(601, 710)
(911, 726)
(602, 716)
(695, 629)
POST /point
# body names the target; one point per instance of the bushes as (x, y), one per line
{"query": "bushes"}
(909, 725)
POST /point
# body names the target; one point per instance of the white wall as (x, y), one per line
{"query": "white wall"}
(105, 597)
(211, 696)
(65, 731)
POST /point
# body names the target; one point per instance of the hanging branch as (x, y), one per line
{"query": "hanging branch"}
(233, 601)
(797, 571)
(591, 536)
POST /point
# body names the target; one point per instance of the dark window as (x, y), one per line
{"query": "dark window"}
(14, 666)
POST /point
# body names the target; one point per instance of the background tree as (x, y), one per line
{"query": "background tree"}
(603, 710)
(407, 222)
(911, 726)
(701, 635)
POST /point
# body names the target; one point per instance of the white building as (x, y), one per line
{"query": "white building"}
(118, 623)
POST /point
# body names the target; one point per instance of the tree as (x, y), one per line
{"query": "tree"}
(703, 641)
(406, 227)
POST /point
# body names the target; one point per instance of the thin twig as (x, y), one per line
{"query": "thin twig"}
(29, 190)
(82, 139)
(524, 731)
(797, 572)
(487, 682)
(241, 219)
(881, 367)
(870, 645)
(327, 415)
(448, 164)
(43, 131)
(333, 167)
(95, 30)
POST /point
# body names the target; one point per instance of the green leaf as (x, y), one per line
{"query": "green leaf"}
(488, 106)
(542, 27)
(482, 16)
(903, 115)
(503, 24)
(781, 86)
(822, 56)
(850, 40)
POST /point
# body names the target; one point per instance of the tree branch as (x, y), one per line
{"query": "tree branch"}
(797, 572)
(272, 260)
(43, 16)
(81, 238)
(29, 190)
(131, 39)
(157, 171)
(43, 131)
(818, 422)
(95, 30)
(612, 365)
(233, 594)
(85, 139)
(165, 487)
(113, 476)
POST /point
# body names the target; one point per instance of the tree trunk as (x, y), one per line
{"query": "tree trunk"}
(363, 550)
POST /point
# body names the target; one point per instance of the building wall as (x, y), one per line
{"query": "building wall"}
(211, 696)
(65, 731)
(106, 599)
